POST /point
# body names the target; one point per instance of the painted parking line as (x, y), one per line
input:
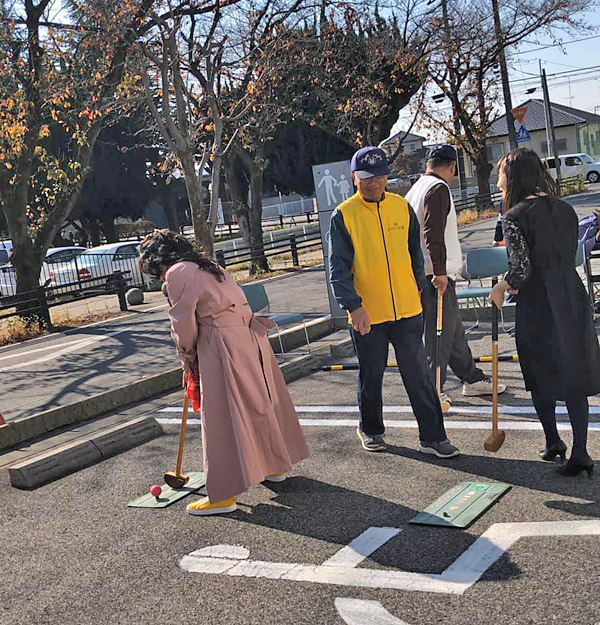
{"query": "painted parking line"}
(525, 426)
(365, 612)
(71, 347)
(347, 409)
(466, 570)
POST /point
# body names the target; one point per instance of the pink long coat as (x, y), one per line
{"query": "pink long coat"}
(249, 425)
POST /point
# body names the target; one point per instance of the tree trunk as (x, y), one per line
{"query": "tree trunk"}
(94, 231)
(171, 210)
(259, 263)
(215, 189)
(202, 233)
(483, 170)
(26, 260)
(239, 193)
(109, 229)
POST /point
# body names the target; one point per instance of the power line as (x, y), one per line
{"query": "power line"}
(553, 45)
(575, 73)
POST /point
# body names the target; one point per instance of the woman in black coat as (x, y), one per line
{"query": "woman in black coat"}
(556, 338)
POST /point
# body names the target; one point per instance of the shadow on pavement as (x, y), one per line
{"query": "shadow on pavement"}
(334, 514)
(532, 474)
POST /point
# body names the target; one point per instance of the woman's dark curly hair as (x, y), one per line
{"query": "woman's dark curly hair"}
(525, 175)
(164, 248)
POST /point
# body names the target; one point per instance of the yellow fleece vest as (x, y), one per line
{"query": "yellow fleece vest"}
(382, 268)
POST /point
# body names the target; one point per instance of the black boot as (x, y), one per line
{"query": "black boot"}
(577, 466)
(551, 451)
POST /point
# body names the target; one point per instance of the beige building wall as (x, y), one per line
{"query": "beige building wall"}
(566, 139)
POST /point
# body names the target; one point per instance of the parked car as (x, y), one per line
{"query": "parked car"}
(5, 250)
(574, 165)
(99, 263)
(54, 256)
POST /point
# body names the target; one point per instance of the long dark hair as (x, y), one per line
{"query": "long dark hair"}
(525, 175)
(164, 248)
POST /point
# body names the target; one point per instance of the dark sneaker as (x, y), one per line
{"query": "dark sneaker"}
(371, 443)
(443, 449)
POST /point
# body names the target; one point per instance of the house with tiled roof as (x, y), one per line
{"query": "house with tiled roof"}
(410, 143)
(576, 131)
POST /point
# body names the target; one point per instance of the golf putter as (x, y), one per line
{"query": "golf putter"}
(438, 348)
(176, 479)
(496, 439)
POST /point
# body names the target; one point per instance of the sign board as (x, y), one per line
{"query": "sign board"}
(519, 114)
(523, 135)
(333, 185)
(461, 505)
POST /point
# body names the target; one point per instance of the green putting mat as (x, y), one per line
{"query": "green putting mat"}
(461, 505)
(170, 495)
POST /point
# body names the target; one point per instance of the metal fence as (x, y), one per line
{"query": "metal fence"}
(477, 202)
(85, 272)
(35, 306)
(292, 244)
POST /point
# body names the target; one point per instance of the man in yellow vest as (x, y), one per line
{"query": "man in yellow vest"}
(376, 273)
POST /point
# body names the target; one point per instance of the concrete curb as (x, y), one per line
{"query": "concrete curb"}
(26, 428)
(71, 457)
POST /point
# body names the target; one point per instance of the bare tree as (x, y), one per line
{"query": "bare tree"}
(465, 52)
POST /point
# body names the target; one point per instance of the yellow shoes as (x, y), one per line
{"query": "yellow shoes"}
(203, 507)
(278, 477)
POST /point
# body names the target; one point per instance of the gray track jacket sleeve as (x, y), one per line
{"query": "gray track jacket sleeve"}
(341, 257)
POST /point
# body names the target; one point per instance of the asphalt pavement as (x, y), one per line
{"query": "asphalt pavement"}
(64, 368)
(73, 553)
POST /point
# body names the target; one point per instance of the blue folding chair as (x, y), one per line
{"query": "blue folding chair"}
(480, 264)
(258, 300)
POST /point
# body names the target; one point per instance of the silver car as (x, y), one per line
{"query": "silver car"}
(55, 256)
(96, 266)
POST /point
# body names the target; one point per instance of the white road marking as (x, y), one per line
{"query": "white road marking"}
(155, 308)
(347, 409)
(362, 547)
(19, 354)
(465, 571)
(524, 426)
(71, 347)
(363, 612)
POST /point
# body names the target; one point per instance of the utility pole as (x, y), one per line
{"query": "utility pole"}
(510, 120)
(460, 153)
(550, 126)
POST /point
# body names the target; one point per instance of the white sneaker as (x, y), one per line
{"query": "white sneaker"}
(483, 387)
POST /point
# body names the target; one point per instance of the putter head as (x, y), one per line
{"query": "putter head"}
(176, 481)
(494, 441)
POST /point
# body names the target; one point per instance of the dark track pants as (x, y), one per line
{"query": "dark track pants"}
(455, 350)
(406, 336)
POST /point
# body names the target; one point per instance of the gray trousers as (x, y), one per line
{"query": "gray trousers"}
(454, 350)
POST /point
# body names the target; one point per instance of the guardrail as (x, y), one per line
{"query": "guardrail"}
(293, 244)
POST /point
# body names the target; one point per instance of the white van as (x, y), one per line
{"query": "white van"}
(574, 165)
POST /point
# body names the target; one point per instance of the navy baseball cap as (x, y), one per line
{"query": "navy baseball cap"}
(369, 162)
(443, 151)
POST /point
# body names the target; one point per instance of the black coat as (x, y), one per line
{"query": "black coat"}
(556, 338)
